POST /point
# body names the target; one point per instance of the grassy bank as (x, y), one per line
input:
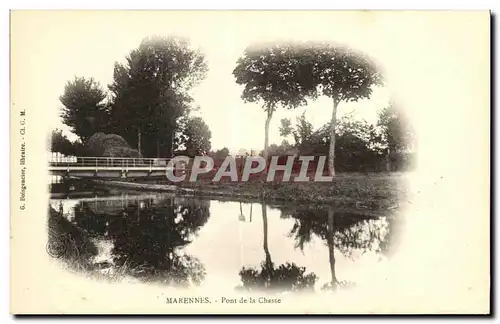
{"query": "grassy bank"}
(360, 191)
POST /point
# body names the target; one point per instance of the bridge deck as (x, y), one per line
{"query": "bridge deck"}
(110, 167)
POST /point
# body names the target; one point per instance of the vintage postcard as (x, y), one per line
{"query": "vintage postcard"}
(250, 162)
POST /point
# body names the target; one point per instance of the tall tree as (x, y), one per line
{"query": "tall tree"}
(344, 76)
(83, 109)
(150, 91)
(273, 75)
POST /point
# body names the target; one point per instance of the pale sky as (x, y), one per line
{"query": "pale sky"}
(89, 43)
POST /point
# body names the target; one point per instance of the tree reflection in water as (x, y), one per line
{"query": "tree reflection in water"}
(149, 245)
(69, 243)
(284, 277)
(148, 238)
(346, 232)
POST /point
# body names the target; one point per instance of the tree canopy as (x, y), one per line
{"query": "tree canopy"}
(149, 99)
(150, 92)
(84, 110)
(287, 74)
(196, 137)
(273, 75)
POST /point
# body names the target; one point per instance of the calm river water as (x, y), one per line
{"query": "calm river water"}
(155, 238)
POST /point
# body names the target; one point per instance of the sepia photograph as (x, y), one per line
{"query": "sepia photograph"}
(250, 162)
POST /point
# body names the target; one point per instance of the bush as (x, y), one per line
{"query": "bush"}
(110, 145)
(121, 152)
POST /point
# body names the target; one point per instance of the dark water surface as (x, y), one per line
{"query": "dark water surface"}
(229, 245)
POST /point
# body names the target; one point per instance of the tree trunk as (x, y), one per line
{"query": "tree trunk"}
(331, 254)
(251, 212)
(266, 134)
(266, 248)
(172, 138)
(139, 134)
(388, 160)
(333, 123)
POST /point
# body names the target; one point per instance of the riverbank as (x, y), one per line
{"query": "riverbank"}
(369, 192)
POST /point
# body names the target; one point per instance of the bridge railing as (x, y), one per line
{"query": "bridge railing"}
(108, 162)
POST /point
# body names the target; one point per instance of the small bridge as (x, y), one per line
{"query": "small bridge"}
(108, 167)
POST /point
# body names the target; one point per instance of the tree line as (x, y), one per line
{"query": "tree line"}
(149, 106)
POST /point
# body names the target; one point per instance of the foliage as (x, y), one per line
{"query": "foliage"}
(286, 127)
(111, 145)
(340, 72)
(351, 231)
(151, 242)
(121, 151)
(397, 137)
(150, 92)
(222, 153)
(345, 232)
(397, 132)
(83, 108)
(69, 242)
(342, 75)
(357, 146)
(60, 143)
(196, 137)
(148, 238)
(288, 73)
(273, 75)
(302, 131)
(285, 277)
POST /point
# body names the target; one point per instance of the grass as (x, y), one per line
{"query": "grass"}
(375, 192)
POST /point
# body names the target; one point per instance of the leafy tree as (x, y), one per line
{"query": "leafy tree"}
(357, 145)
(302, 132)
(83, 108)
(286, 127)
(273, 75)
(60, 143)
(397, 134)
(150, 92)
(342, 75)
(222, 153)
(196, 137)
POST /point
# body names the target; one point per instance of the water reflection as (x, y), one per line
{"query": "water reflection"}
(69, 242)
(284, 277)
(147, 238)
(184, 241)
(346, 232)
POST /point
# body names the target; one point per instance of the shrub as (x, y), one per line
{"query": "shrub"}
(110, 145)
